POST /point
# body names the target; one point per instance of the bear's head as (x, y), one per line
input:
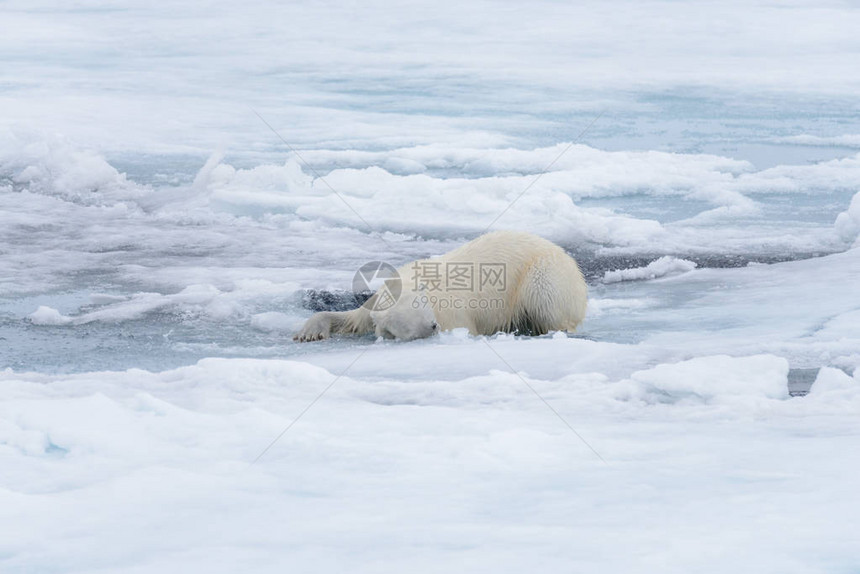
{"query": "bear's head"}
(409, 318)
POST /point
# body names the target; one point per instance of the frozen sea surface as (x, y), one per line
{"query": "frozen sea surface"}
(160, 243)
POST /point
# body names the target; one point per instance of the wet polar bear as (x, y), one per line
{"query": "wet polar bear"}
(502, 281)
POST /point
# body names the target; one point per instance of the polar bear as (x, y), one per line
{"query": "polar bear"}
(502, 281)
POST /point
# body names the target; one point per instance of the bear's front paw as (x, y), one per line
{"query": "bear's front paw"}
(316, 328)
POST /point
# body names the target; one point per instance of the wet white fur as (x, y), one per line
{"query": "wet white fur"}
(545, 291)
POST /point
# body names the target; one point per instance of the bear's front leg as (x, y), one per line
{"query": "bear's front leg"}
(317, 328)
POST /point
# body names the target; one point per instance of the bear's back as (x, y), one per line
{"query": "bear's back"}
(500, 281)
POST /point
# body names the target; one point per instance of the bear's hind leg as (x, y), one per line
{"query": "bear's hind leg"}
(552, 296)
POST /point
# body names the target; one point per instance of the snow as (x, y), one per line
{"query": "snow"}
(844, 140)
(719, 376)
(137, 471)
(48, 316)
(274, 321)
(659, 268)
(160, 244)
(848, 222)
(834, 381)
(144, 78)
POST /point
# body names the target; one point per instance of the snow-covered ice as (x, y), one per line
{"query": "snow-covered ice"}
(666, 265)
(160, 244)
